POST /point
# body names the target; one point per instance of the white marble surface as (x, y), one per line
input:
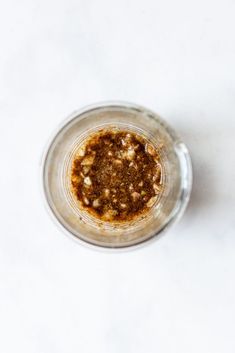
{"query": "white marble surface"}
(177, 58)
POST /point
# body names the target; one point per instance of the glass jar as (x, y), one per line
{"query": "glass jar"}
(177, 174)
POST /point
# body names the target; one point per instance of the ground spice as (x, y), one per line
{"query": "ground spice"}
(117, 175)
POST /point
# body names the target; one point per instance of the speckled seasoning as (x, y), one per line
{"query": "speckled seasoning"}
(117, 175)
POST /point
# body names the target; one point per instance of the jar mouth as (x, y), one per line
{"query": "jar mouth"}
(57, 179)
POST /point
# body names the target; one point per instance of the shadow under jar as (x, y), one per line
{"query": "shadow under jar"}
(99, 211)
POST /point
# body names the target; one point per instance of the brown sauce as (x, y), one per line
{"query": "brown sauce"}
(117, 175)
